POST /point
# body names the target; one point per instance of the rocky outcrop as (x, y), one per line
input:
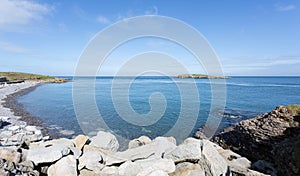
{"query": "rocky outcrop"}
(158, 157)
(273, 137)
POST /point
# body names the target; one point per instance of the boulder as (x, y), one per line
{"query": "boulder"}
(264, 167)
(91, 160)
(237, 164)
(47, 154)
(273, 136)
(61, 141)
(66, 166)
(218, 165)
(80, 141)
(153, 173)
(146, 167)
(10, 154)
(189, 150)
(188, 169)
(143, 140)
(156, 149)
(105, 141)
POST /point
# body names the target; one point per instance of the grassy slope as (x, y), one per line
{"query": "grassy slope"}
(12, 76)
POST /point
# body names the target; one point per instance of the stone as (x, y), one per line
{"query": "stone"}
(113, 170)
(188, 169)
(75, 152)
(189, 150)
(153, 173)
(105, 141)
(80, 141)
(61, 141)
(156, 149)
(66, 166)
(236, 163)
(218, 165)
(143, 140)
(10, 154)
(91, 160)
(31, 128)
(14, 128)
(271, 137)
(47, 154)
(146, 167)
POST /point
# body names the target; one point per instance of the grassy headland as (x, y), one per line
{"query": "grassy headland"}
(201, 76)
(18, 76)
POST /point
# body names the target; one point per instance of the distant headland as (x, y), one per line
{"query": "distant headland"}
(201, 76)
(18, 77)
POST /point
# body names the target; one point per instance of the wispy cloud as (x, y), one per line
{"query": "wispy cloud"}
(22, 12)
(283, 8)
(9, 47)
(103, 20)
(152, 11)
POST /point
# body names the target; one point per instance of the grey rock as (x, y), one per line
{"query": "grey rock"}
(218, 165)
(66, 166)
(10, 154)
(61, 141)
(47, 154)
(91, 160)
(143, 140)
(189, 150)
(188, 169)
(105, 141)
(264, 167)
(155, 149)
(76, 152)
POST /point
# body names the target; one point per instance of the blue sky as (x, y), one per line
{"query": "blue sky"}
(250, 37)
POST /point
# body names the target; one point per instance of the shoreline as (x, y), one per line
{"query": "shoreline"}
(15, 119)
(17, 109)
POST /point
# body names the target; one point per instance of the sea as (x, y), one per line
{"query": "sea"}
(155, 102)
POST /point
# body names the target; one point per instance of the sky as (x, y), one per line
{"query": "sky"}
(251, 38)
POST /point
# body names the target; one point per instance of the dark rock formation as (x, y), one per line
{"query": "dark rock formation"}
(273, 137)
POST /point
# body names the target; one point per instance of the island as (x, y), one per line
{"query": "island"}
(201, 76)
(18, 77)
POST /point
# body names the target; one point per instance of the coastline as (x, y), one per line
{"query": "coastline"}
(14, 114)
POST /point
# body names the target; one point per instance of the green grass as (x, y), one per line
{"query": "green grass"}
(13, 76)
(294, 109)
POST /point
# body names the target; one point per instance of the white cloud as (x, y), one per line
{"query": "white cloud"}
(282, 8)
(21, 12)
(152, 11)
(9, 47)
(103, 20)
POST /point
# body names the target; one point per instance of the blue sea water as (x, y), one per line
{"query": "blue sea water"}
(245, 97)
